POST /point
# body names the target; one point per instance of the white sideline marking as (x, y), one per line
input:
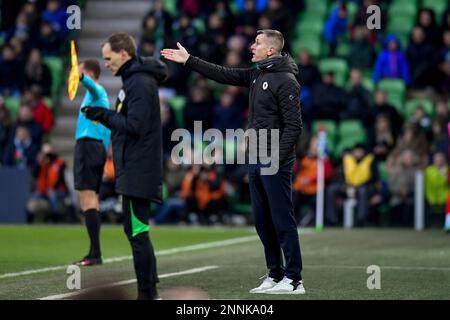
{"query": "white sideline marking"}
(405, 268)
(194, 247)
(121, 283)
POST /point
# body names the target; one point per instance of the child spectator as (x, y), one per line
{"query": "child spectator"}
(391, 62)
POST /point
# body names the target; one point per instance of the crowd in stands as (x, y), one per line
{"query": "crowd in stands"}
(382, 96)
(33, 43)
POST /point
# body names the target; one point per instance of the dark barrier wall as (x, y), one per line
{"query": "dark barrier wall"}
(14, 193)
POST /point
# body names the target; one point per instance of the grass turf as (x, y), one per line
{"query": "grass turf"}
(414, 265)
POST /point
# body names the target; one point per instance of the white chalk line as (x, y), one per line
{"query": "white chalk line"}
(125, 282)
(194, 247)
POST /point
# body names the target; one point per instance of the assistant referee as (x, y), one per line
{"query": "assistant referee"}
(92, 142)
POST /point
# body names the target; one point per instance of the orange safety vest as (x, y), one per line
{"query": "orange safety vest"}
(308, 170)
(49, 176)
(204, 195)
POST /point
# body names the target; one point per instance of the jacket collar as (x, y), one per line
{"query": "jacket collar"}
(124, 67)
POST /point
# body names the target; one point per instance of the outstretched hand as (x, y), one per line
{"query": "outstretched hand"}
(180, 56)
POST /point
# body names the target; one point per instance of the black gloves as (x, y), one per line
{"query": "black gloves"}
(94, 113)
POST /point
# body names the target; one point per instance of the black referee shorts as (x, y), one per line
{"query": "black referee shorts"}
(89, 160)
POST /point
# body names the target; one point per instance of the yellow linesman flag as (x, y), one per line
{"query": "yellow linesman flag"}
(74, 78)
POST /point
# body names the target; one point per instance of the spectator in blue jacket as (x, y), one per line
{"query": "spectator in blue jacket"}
(335, 27)
(260, 5)
(56, 16)
(391, 62)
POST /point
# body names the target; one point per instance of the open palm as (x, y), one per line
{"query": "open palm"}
(179, 55)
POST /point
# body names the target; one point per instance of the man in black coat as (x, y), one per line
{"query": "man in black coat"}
(274, 104)
(137, 147)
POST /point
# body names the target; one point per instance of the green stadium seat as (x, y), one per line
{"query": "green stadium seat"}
(316, 8)
(49, 102)
(401, 24)
(438, 6)
(408, 8)
(406, 2)
(347, 142)
(350, 132)
(412, 104)
(343, 49)
(382, 171)
(329, 125)
(351, 127)
(309, 25)
(331, 131)
(199, 25)
(395, 89)
(55, 64)
(336, 65)
(234, 8)
(177, 104)
(368, 84)
(13, 105)
(404, 39)
(171, 7)
(312, 43)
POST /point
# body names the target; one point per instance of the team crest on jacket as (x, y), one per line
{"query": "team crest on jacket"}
(265, 85)
(121, 95)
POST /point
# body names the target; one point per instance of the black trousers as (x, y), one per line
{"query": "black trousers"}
(273, 211)
(136, 215)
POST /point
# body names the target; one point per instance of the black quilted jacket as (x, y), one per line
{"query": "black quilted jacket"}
(274, 98)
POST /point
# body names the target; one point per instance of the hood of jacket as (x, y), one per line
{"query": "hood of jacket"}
(391, 38)
(151, 66)
(281, 63)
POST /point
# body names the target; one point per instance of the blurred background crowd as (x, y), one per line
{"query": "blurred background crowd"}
(381, 95)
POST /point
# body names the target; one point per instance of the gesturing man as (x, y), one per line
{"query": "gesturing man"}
(137, 148)
(274, 104)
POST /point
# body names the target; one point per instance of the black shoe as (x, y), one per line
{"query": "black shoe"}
(88, 261)
(148, 295)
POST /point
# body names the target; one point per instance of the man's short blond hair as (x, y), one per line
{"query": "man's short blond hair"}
(275, 38)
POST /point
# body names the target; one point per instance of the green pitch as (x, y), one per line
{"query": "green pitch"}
(414, 265)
